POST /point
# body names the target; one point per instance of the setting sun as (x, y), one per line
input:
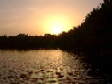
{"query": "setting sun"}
(40, 17)
(56, 27)
(56, 30)
(56, 24)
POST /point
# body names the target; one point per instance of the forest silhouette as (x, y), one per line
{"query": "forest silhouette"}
(92, 39)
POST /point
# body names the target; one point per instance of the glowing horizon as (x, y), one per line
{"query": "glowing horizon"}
(38, 17)
(55, 24)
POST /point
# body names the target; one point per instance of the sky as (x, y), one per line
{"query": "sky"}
(38, 17)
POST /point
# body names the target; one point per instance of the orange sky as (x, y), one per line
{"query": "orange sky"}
(37, 17)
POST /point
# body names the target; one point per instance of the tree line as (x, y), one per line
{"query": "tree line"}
(92, 38)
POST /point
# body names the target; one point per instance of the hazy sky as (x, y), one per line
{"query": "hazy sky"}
(37, 17)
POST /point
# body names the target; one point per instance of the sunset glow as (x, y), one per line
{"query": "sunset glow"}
(55, 24)
(56, 29)
(38, 17)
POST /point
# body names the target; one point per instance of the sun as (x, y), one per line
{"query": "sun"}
(56, 28)
(56, 24)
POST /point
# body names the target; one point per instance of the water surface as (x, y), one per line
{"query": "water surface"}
(43, 67)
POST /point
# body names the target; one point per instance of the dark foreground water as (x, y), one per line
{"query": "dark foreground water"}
(44, 67)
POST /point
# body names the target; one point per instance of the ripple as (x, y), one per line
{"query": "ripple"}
(32, 67)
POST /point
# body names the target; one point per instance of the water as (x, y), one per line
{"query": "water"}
(43, 67)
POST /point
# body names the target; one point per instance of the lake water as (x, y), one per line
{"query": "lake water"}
(43, 67)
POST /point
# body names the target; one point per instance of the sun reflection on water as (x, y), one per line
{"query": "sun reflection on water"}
(41, 67)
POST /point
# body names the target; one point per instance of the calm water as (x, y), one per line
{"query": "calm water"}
(43, 67)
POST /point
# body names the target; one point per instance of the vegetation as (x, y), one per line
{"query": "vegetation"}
(91, 39)
(25, 42)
